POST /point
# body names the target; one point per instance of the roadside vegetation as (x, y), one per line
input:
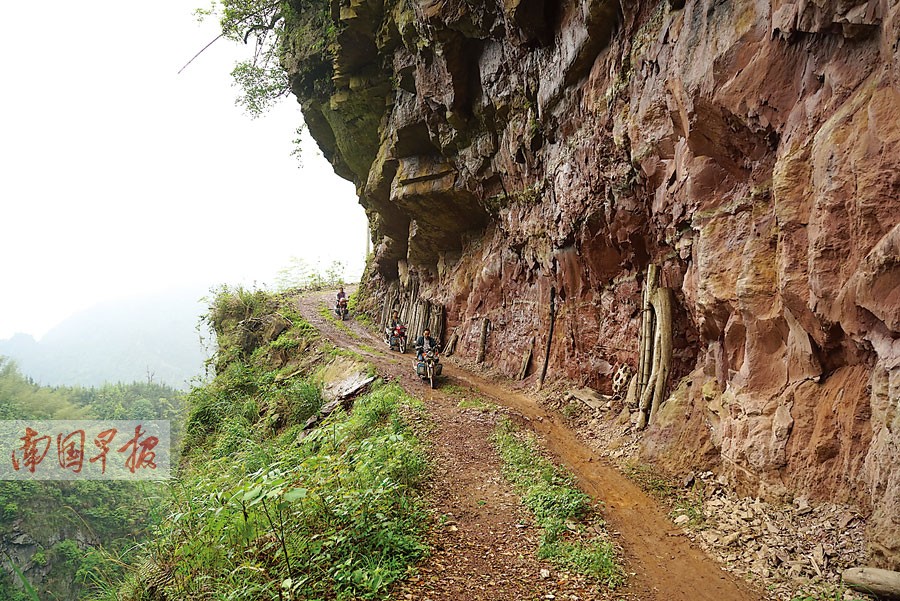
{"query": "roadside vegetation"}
(356, 311)
(298, 274)
(573, 535)
(82, 532)
(828, 593)
(680, 500)
(263, 509)
(470, 399)
(328, 313)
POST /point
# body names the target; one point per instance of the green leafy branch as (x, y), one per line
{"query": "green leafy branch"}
(298, 31)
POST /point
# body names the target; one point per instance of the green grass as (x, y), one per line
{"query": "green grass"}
(328, 313)
(687, 502)
(360, 316)
(565, 514)
(364, 319)
(338, 351)
(650, 481)
(468, 399)
(827, 593)
(572, 410)
(263, 510)
(477, 403)
(333, 515)
(691, 505)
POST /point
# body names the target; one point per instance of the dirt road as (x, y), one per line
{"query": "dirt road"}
(485, 548)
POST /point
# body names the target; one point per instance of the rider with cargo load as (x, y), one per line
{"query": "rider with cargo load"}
(395, 333)
(428, 366)
(392, 323)
(425, 343)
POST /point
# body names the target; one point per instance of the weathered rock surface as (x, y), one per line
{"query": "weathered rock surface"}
(522, 162)
(881, 583)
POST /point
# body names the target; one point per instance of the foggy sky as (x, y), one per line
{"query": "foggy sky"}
(119, 177)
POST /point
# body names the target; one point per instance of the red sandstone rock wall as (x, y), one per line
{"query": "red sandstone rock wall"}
(519, 155)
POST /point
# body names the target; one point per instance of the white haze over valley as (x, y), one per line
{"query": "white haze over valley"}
(120, 178)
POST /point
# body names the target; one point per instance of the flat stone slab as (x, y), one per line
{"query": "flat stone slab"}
(590, 397)
(344, 379)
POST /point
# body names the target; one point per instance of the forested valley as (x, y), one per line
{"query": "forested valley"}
(67, 539)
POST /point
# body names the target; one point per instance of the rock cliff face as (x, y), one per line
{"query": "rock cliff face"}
(522, 162)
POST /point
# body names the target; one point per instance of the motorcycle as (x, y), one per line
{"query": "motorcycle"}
(396, 338)
(429, 368)
(341, 309)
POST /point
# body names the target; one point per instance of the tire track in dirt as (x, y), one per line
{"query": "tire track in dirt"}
(486, 559)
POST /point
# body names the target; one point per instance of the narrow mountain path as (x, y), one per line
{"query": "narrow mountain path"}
(485, 545)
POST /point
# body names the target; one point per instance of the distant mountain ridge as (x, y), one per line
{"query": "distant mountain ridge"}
(148, 337)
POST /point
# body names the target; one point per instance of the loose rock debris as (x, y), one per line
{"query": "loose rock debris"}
(790, 550)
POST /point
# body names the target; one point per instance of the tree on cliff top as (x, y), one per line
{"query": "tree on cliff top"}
(299, 29)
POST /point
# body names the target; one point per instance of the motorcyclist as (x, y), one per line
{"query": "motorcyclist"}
(392, 324)
(341, 295)
(425, 343)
